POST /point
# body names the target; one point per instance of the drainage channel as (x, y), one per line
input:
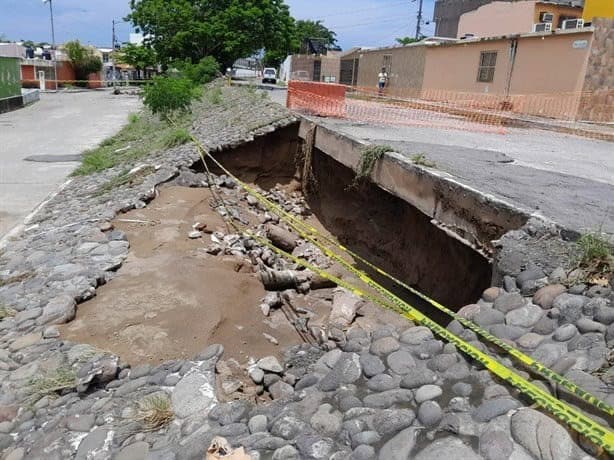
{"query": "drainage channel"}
(375, 224)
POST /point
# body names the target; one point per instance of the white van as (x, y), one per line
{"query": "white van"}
(269, 75)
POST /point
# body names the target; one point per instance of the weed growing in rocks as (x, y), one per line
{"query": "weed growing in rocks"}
(6, 312)
(369, 157)
(126, 178)
(596, 254)
(421, 160)
(214, 95)
(63, 378)
(154, 412)
(177, 136)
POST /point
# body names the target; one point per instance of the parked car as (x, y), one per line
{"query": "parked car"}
(269, 75)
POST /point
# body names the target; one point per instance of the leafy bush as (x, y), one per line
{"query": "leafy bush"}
(204, 72)
(83, 61)
(166, 96)
(596, 254)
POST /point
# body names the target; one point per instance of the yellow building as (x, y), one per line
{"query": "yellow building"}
(598, 9)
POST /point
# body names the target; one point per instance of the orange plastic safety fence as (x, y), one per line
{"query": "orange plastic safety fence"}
(564, 112)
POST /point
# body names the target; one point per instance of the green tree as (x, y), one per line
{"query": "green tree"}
(203, 72)
(315, 30)
(139, 57)
(224, 29)
(82, 59)
(409, 40)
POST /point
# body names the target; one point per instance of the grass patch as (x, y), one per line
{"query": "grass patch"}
(62, 378)
(214, 95)
(596, 256)
(6, 312)
(143, 135)
(421, 160)
(369, 156)
(177, 136)
(126, 178)
(154, 412)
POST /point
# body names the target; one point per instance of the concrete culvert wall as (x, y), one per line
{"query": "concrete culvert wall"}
(396, 236)
(380, 227)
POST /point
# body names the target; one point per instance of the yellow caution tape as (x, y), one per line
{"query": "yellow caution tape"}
(304, 230)
(576, 420)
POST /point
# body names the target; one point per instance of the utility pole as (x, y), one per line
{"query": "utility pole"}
(113, 56)
(55, 61)
(419, 21)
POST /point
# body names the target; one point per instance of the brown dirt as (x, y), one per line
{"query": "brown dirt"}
(171, 299)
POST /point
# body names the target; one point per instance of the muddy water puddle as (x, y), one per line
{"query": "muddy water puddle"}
(171, 299)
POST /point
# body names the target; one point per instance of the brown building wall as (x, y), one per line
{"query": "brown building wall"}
(598, 102)
(406, 68)
(330, 66)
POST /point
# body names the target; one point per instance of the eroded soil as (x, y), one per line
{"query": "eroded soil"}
(171, 299)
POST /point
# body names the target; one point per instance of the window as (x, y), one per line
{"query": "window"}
(486, 70)
(105, 57)
(387, 63)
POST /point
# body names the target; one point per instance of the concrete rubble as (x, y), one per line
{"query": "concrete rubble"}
(357, 388)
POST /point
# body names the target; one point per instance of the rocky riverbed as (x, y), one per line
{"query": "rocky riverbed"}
(360, 385)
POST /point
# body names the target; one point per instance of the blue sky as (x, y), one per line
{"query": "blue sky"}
(357, 22)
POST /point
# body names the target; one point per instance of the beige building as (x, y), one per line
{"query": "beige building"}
(315, 67)
(536, 73)
(504, 17)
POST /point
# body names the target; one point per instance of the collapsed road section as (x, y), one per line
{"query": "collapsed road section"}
(188, 329)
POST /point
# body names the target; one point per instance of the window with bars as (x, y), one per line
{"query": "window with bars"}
(486, 70)
(387, 63)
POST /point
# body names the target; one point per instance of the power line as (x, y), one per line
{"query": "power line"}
(352, 11)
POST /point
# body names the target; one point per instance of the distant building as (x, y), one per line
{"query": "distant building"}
(503, 18)
(542, 73)
(598, 9)
(313, 67)
(447, 13)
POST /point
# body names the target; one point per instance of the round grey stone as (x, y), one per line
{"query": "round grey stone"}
(384, 346)
(286, 453)
(508, 302)
(418, 378)
(565, 333)
(371, 365)
(258, 424)
(429, 413)
(382, 382)
(401, 362)
(462, 389)
(363, 452)
(426, 392)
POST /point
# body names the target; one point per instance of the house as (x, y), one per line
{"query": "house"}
(503, 18)
(313, 67)
(542, 73)
(447, 13)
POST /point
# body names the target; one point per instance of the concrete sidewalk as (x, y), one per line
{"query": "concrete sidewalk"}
(53, 132)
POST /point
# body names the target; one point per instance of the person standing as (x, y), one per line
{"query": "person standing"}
(382, 81)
